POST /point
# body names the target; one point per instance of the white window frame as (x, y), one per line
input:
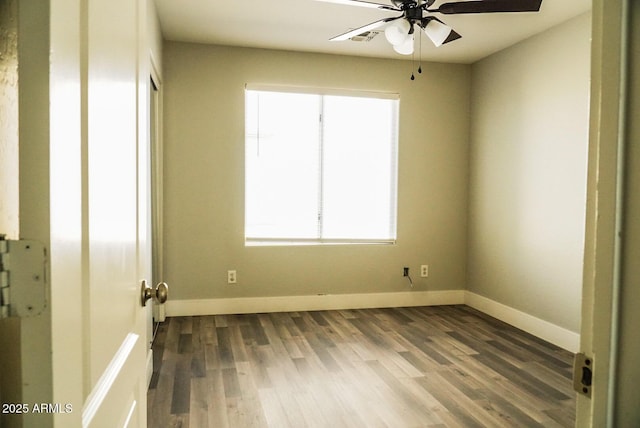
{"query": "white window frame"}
(393, 170)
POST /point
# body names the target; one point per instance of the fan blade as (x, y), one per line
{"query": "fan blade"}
(489, 6)
(452, 36)
(368, 27)
(362, 3)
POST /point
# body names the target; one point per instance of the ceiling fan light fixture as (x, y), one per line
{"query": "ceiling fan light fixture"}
(406, 47)
(437, 32)
(397, 32)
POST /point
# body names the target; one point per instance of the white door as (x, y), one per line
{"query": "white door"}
(116, 332)
(99, 337)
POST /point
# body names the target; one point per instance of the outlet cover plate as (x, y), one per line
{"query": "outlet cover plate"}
(232, 277)
(424, 271)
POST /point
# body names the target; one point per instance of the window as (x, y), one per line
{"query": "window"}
(320, 167)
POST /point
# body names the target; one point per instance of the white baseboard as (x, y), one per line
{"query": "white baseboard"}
(559, 336)
(552, 333)
(245, 305)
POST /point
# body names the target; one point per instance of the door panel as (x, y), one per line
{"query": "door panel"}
(115, 340)
(112, 397)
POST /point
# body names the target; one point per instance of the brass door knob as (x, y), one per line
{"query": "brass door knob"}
(160, 293)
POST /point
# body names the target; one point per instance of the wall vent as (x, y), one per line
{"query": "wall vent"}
(367, 36)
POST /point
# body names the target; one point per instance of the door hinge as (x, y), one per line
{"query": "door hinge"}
(583, 374)
(23, 278)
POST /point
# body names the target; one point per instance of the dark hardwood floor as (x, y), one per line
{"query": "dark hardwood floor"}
(440, 366)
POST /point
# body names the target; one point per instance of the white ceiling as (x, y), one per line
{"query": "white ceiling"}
(307, 25)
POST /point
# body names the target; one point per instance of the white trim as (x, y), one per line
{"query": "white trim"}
(552, 333)
(245, 305)
(104, 384)
(312, 90)
(271, 242)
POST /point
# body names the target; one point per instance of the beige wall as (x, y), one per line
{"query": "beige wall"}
(204, 176)
(528, 159)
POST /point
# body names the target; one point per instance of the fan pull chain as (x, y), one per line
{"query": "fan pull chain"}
(420, 53)
(413, 59)
(413, 65)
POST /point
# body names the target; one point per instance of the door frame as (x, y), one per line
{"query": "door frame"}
(157, 186)
(602, 262)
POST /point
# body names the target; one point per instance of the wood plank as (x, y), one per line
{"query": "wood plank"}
(181, 395)
(217, 403)
(199, 402)
(225, 351)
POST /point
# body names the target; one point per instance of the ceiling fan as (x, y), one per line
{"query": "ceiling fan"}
(400, 29)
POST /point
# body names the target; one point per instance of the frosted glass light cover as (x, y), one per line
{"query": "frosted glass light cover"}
(405, 48)
(397, 32)
(437, 32)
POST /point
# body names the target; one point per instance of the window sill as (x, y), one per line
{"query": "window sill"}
(266, 242)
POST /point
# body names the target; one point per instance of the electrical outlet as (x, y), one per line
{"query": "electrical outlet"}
(424, 271)
(231, 277)
(405, 271)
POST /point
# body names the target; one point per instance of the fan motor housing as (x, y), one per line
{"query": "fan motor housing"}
(411, 4)
(402, 4)
(411, 8)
